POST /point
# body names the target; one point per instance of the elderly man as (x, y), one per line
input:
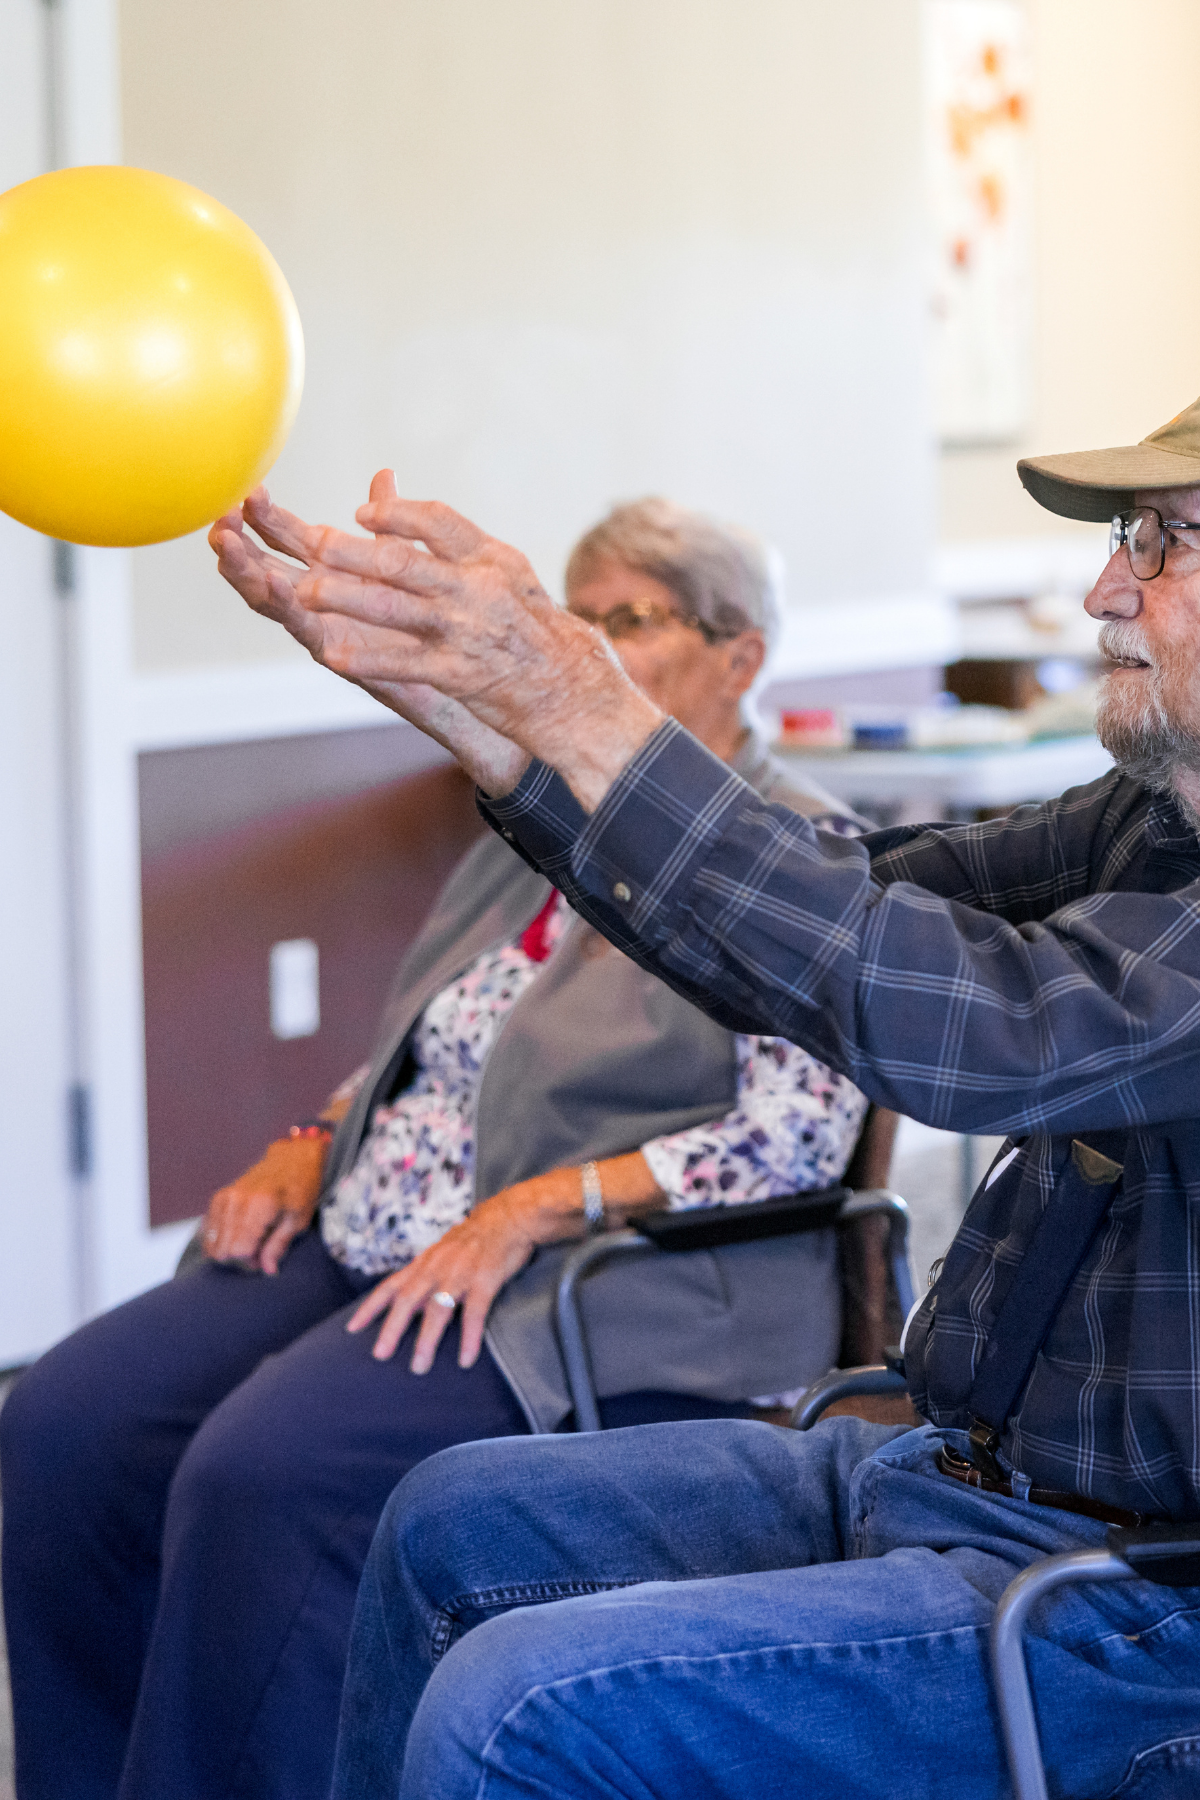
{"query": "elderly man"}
(727, 1609)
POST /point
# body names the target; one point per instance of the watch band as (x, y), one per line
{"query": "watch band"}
(593, 1196)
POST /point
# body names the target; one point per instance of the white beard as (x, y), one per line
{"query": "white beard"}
(1137, 726)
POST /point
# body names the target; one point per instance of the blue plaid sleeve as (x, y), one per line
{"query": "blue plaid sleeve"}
(938, 1006)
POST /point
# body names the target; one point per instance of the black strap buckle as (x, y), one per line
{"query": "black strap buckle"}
(985, 1441)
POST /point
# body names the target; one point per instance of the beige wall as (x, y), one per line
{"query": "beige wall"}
(1118, 297)
(551, 253)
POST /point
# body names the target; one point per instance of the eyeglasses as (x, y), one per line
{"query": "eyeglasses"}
(634, 616)
(1143, 532)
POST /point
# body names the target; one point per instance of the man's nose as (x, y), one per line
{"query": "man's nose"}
(1118, 593)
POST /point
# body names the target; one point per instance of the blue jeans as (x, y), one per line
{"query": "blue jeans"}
(729, 1610)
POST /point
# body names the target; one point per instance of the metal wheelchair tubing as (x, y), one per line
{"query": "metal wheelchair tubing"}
(843, 1384)
(1018, 1722)
(571, 1334)
(882, 1201)
(593, 1251)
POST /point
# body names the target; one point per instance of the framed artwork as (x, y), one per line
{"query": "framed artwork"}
(980, 184)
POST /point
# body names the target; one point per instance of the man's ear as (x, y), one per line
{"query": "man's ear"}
(745, 655)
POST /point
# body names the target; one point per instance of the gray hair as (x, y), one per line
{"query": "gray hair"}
(723, 575)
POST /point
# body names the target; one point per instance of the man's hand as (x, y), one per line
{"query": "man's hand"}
(255, 1218)
(429, 602)
(268, 584)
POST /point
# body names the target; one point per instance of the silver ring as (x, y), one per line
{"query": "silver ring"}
(442, 1298)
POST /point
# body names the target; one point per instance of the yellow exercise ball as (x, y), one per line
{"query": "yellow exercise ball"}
(151, 357)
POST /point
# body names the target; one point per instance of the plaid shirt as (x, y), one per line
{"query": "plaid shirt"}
(1037, 975)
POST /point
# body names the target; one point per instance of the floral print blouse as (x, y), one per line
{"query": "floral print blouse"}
(793, 1126)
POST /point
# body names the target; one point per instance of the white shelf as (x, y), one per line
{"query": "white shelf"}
(1058, 562)
(1003, 775)
(851, 637)
(238, 703)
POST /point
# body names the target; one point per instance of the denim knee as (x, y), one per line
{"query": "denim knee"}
(479, 1681)
(430, 1516)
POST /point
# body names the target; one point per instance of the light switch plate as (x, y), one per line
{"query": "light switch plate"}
(295, 988)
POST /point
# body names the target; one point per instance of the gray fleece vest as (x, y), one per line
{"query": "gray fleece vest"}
(597, 1058)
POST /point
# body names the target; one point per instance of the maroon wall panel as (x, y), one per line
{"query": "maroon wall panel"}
(358, 876)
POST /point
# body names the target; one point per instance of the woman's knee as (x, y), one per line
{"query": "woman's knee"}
(53, 1425)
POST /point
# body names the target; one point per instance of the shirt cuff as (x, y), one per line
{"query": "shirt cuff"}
(540, 818)
(654, 827)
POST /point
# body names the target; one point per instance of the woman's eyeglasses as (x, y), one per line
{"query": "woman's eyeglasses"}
(1143, 531)
(635, 616)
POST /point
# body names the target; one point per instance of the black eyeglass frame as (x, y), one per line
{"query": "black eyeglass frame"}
(1118, 534)
(647, 612)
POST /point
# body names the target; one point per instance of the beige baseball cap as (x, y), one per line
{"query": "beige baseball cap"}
(1095, 484)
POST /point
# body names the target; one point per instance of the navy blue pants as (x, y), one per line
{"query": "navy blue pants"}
(191, 1484)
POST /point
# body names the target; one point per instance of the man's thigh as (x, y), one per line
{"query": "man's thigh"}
(840, 1678)
(487, 1526)
(861, 1678)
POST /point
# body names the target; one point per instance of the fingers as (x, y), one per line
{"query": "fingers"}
(385, 557)
(230, 521)
(433, 1325)
(475, 1310)
(383, 487)
(277, 1240)
(446, 533)
(367, 597)
(237, 1223)
(402, 1296)
(280, 529)
(377, 1301)
(265, 583)
(401, 1300)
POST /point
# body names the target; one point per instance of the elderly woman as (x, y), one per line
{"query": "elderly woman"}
(191, 1482)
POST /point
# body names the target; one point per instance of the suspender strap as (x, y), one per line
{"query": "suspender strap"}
(1079, 1202)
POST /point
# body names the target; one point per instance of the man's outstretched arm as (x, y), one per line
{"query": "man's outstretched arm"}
(448, 627)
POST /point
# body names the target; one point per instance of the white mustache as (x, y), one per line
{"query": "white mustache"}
(1122, 641)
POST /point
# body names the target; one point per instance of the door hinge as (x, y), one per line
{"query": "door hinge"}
(79, 1128)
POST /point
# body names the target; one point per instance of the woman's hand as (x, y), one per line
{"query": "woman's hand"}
(475, 1258)
(255, 1218)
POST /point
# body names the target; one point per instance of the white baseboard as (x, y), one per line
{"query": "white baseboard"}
(177, 709)
(238, 703)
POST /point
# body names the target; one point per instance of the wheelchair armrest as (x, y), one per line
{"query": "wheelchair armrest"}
(845, 1384)
(708, 1227)
(882, 1202)
(1168, 1554)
